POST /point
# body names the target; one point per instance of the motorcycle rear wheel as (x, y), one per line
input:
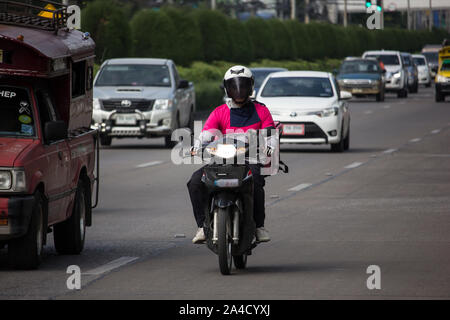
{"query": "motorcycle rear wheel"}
(225, 241)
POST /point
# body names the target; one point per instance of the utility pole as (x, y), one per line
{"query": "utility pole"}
(345, 13)
(408, 12)
(382, 14)
(213, 4)
(293, 9)
(430, 24)
(306, 11)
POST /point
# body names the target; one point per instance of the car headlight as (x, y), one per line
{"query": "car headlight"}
(397, 75)
(334, 111)
(13, 180)
(163, 104)
(96, 104)
(5, 180)
(440, 78)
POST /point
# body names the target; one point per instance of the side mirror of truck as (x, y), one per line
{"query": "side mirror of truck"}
(183, 84)
(55, 131)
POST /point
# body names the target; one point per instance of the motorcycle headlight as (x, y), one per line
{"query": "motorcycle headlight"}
(13, 180)
(163, 104)
(225, 151)
(440, 78)
(96, 104)
(5, 180)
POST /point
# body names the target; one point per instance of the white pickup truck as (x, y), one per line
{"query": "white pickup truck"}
(142, 98)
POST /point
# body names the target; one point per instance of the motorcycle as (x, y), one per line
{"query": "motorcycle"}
(229, 225)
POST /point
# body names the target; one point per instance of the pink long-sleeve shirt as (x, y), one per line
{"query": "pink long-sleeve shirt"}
(227, 119)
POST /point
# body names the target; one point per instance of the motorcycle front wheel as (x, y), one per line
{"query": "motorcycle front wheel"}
(225, 240)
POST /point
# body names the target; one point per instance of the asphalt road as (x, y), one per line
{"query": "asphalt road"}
(386, 202)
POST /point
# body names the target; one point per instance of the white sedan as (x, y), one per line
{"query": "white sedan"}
(309, 106)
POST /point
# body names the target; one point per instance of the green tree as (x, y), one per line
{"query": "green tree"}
(153, 35)
(188, 37)
(214, 31)
(262, 38)
(240, 42)
(284, 45)
(105, 20)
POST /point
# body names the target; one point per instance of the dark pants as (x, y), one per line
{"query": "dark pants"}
(199, 196)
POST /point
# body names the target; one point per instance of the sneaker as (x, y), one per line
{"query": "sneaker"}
(199, 236)
(262, 235)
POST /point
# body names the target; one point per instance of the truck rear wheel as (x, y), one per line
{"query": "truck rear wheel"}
(25, 253)
(69, 235)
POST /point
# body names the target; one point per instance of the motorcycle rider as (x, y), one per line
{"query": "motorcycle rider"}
(239, 113)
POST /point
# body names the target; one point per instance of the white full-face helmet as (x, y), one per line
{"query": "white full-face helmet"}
(239, 84)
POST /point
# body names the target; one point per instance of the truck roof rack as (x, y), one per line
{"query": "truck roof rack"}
(46, 15)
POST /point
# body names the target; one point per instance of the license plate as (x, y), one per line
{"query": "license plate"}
(1, 56)
(294, 129)
(131, 119)
(357, 90)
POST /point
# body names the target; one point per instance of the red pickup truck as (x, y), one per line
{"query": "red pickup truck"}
(48, 153)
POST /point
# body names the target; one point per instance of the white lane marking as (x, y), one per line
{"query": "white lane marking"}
(390, 150)
(368, 112)
(300, 187)
(436, 131)
(353, 165)
(149, 164)
(387, 107)
(415, 140)
(110, 266)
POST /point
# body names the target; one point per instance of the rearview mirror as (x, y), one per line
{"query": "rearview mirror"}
(55, 131)
(345, 95)
(183, 84)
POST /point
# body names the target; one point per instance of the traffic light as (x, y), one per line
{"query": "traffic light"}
(368, 3)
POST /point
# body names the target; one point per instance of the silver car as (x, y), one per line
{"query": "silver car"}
(141, 98)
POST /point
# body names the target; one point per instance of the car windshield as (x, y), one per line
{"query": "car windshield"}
(419, 61)
(16, 114)
(445, 66)
(359, 67)
(431, 56)
(387, 59)
(134, 75)
(298, 87)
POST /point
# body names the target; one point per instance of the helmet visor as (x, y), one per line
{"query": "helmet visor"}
(239, 88)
